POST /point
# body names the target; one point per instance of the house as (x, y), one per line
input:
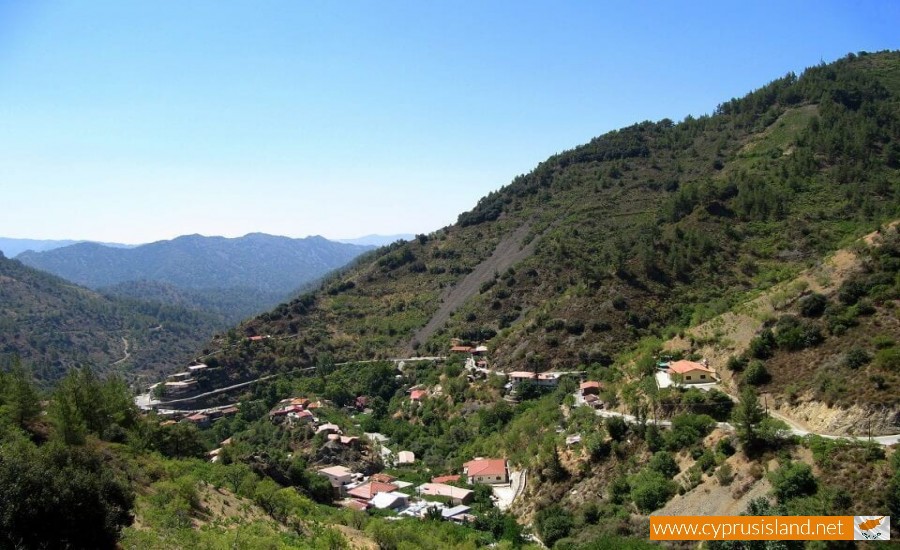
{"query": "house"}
(406, 457)
(691, 372)
(461, 349)
(382, 477)
(327, 427)
(228, 411)
(517, 377)
(456, 495)
(199, 419)
(445, 479)
(548, 379)
(393, 500)
(339, 476)
(348, 440)
(418, 395)
(256, 338)
(591, 387)
(179, 375)
(456, 513)
(480, 350)
(593, 401)
(486, 470)
(198, 368)
(368, 490)
(179, 386)
(300, 416)
(353, 504)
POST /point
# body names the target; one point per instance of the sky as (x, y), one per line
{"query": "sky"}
(127, 121)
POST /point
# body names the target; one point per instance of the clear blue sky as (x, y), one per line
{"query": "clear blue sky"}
(139, 121)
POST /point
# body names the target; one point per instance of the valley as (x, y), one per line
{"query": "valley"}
(691, 318)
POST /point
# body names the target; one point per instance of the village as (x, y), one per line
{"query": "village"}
(366, 472)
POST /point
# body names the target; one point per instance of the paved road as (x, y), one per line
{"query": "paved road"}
(146, 401)
(886, 440)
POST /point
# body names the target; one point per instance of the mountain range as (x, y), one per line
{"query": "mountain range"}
(231, 277)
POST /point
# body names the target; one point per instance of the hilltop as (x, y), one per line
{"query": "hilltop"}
(234, 278)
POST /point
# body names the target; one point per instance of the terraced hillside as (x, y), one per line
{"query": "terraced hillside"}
(640, 232)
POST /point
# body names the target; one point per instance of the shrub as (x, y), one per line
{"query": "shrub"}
(663, 463)
(687, 430)
(616, 427)
(757, 374)
(792, 480)
(553, 523)
(763, 345)
(795, 334)
(813, 305)
(650, 490)
(736, 363)
(856, 358)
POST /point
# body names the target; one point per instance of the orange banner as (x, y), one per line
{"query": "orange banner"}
(751, 528)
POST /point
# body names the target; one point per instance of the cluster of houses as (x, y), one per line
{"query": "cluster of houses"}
(590, 393)
(201, 418)
(184, 382)
(381, 491)
(295, 410)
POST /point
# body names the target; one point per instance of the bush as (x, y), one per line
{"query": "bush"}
(650, 490)
(792, 480)
(736, 363)
(616, 427)
(763, 345)
(688, 430)
(813, 305)
(663, 463)
(856, 358)
(757, 374)
(553, 523)
(794, 334)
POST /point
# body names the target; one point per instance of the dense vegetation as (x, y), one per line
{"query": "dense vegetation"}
(54, 325)
(630, 238)
(640, 232)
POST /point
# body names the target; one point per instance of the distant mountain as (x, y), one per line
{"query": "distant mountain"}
(13, 247)
(54, 325)
(378, 240)
(256, 264)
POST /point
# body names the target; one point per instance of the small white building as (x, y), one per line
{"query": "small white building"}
(339, 476)
(393, 500)
(406, 457)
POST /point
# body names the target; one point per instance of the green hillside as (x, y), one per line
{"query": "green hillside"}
(54, 325)
(592, 260)
(640, 232)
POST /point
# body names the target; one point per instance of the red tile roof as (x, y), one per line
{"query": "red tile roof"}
(445, 479)
(382, 478)
(415, 395)
(461, 349)
(486, 467)
(681, 367)
(590, 384)
(369, 490)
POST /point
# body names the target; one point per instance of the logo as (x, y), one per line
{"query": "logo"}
(871, 527)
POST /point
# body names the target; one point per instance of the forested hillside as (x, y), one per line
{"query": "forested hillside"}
(231, 278)
(640, 232)
(53, 325)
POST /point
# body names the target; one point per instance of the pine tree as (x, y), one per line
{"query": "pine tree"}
(747, 416)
